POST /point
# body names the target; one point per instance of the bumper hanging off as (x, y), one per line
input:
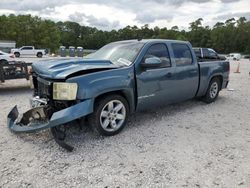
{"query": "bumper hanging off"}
(36, 119)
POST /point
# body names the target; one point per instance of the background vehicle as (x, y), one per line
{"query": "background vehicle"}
(5, 57)
(246, 56)
(28, 51)
(12, 69)
(120, 78)
(234, 56)
(207, 54)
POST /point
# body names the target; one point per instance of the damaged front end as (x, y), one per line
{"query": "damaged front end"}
(48, 113)
(33, 120)
(43, 117)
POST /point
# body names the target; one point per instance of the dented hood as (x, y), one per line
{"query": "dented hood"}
(64, 68)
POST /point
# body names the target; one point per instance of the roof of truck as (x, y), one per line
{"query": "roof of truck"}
(150, 40)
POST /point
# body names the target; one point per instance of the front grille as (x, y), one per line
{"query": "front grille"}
(44, 88)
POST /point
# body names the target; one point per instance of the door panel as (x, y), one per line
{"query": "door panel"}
(155, 88)
(186, 72)
(187, 81)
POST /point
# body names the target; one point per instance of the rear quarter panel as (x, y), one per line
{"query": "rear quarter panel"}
(210, 69)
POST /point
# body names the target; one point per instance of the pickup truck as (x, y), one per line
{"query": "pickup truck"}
(28, 51)
(207, 54)
(118, 79)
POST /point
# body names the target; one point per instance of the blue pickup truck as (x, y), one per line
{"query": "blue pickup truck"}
(120, 78)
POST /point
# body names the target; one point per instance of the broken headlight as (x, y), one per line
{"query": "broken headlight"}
(64, 91)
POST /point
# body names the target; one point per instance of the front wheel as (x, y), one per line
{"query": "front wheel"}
(212, 91)
(17, 54)
(110, 115)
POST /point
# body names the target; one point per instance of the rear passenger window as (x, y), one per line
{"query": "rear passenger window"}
(27, 48)
(182, 54)
(160, 51)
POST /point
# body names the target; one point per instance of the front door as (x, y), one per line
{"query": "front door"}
(155, 85)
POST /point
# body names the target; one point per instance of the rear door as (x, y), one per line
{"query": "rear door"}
(155, 85)
(186, 72)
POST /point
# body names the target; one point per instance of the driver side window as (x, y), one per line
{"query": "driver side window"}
(159, 51)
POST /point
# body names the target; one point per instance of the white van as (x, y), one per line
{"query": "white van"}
(234, 56)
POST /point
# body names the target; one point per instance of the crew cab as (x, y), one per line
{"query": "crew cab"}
(207, 54)
(118, 79)
(28, 51)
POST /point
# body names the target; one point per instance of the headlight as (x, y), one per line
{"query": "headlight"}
(64, 91)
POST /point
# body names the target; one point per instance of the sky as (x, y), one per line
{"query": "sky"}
(116, 14)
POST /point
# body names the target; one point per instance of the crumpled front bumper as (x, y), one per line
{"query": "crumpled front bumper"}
(20, 122)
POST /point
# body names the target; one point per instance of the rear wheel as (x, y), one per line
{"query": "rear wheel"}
(39, 55)
(212, 91)
(110, 115)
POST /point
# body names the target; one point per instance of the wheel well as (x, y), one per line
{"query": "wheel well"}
(118, 92)
(3, 61)
(220, 78)
(39, 53)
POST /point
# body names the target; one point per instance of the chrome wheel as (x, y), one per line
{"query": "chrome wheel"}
(113, 115)
(214, 90)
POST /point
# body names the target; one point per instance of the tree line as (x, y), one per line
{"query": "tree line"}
(225, 37)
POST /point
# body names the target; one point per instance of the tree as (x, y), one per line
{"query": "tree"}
(225, 37)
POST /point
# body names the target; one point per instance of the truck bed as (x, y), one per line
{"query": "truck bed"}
(208, 68)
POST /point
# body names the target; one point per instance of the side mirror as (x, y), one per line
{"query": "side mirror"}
(151, 62)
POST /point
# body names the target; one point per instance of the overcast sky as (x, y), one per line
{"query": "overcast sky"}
(115, 14)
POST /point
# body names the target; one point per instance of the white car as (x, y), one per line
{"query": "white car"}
(5, 57)
(28, 51)
(234, 56)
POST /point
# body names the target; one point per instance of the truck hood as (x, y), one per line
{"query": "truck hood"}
(14, 49)
(65, 68)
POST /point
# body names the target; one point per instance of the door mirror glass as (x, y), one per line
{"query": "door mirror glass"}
(151, 62)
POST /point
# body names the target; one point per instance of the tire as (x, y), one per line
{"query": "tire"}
(17, 54)
(212, 91)
(39, 55)
(107, 119)
(4, 61)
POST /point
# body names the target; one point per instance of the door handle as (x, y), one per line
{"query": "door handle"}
(193, 71)
(169, 75)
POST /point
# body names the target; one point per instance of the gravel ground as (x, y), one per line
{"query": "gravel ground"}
(190, 144)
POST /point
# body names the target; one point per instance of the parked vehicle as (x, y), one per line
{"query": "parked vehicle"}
(246, 56)
(234, 56)
(5, 57)
(28, 51)
(207, 54)
(12, 69)
(120, 78)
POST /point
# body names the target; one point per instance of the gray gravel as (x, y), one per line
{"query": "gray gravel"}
(190, 144)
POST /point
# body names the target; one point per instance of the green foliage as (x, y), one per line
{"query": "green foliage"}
(30, 30)
(230, 36)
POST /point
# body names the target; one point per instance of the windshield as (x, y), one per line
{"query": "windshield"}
(118, 53)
